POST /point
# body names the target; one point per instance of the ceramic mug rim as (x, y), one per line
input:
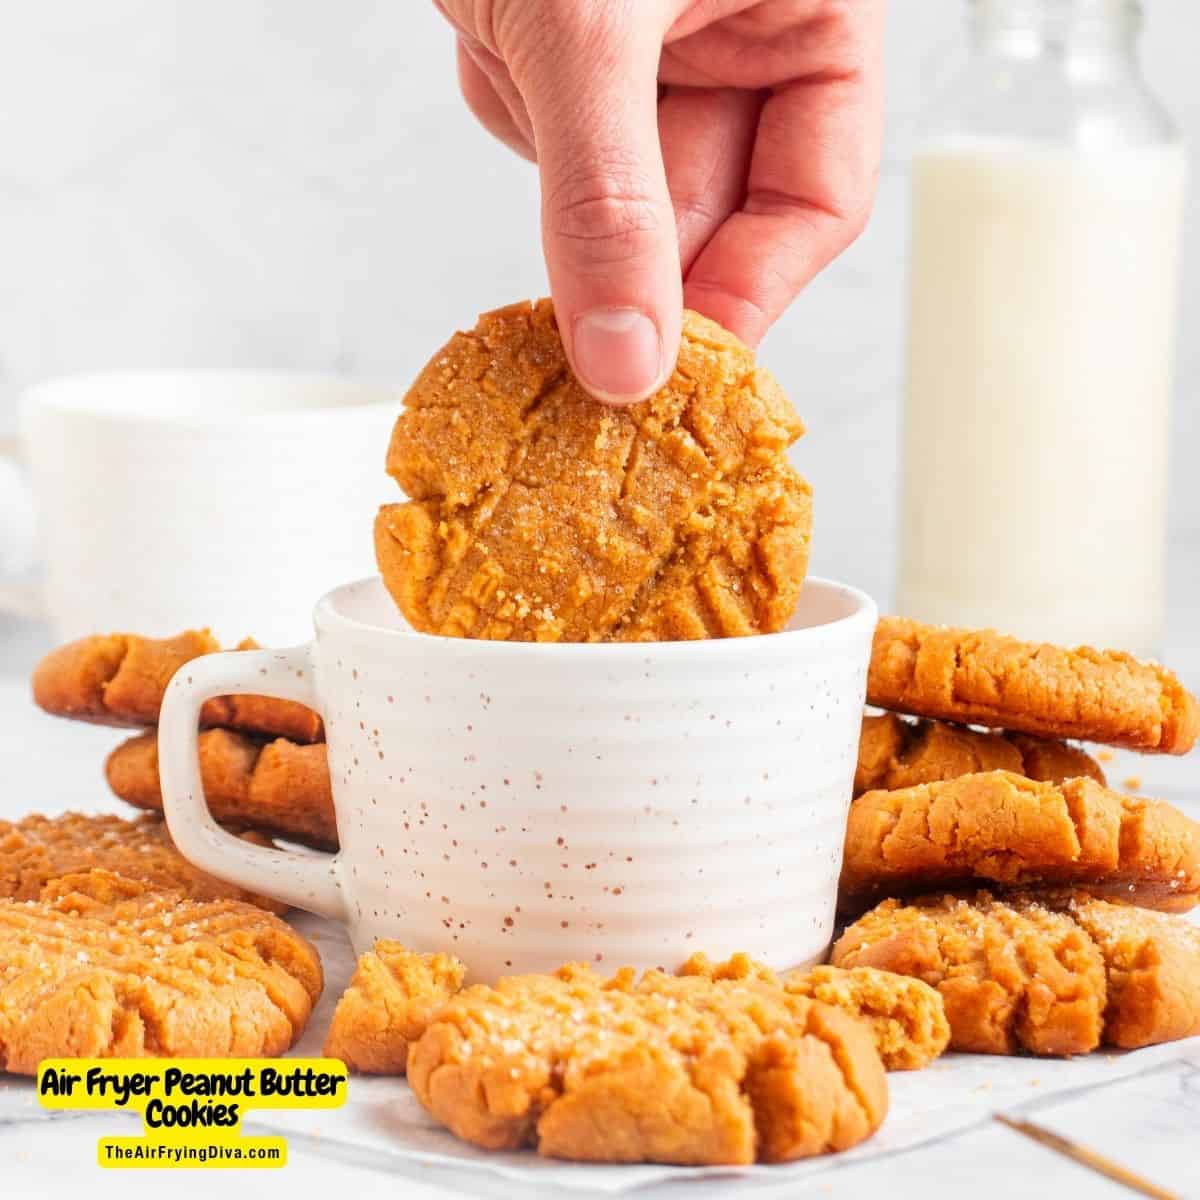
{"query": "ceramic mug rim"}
(328, 617)
(101, 397)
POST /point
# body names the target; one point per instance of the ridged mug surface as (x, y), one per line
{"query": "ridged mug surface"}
(525, 805)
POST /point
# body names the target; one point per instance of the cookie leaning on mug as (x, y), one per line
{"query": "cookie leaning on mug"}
(985, 678)
(1001, 828)
(895, 752)
(37, 850)
(277, 786)
(120, 678)
(100, 966)
(1047, 973)
(537, 513)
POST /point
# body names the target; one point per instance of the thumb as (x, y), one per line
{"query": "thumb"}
(608, 227)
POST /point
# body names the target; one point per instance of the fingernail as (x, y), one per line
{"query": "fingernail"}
(618, 354)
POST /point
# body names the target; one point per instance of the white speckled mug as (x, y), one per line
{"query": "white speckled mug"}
(523, 805)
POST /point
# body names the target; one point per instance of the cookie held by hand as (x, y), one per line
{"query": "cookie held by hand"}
(538, 514)
(101, 967)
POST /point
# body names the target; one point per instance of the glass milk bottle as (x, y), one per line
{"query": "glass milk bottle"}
(1047, 196)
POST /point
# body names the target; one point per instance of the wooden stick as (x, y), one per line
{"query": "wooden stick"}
(1087, 1158)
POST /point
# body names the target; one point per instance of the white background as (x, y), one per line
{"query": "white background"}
(295, 183)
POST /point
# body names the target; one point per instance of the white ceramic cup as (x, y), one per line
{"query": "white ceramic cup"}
(169, 499)
(524, 805)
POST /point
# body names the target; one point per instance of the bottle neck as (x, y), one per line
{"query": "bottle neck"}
(1100, 33)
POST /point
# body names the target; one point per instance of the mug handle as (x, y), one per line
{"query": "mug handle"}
(308, 880)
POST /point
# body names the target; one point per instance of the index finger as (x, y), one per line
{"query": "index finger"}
(809, 193)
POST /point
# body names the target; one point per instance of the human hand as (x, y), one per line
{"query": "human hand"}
(716, 153)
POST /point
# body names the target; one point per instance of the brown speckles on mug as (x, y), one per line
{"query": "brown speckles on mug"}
(642, 783)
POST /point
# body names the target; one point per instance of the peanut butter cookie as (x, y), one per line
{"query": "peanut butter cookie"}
(389, 1002)
(278, 787)
(38, 849)
(102, 967)
(1153, 966)
(905, 1015)
(538, 514)
(1050, 973)
(985, 678)
(1011, 979)
(662, 1069)
(120, 678)
(1006, 829)
(897, 753)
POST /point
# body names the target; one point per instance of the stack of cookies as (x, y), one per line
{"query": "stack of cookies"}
(1003, 872)
(262, 760)
(111, 942)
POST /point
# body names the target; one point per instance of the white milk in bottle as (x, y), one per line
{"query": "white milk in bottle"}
(1046, 212)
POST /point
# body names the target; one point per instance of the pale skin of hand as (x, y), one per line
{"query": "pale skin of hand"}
(713, 153)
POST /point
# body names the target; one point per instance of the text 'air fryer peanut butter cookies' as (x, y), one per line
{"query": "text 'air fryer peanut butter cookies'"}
(37, 850)
(278, 787)
(100, 967)
(659, 1069)
(1003, 828)
(986, 678)
(897, 753)
(1052, 974)
(120, 678)
(537, 513)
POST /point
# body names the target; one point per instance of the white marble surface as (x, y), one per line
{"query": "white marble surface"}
(1141, 1110)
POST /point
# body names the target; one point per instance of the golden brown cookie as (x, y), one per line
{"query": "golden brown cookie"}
(537, 513)
(389, 1002)
(663, 1069)
(1006, 829)
(906, 1016)
(1045, 972)
(120, 678)
(1010, 979)
(985, 678)
(897, 753)
(101, 967)
(278, 787)
(1052, 761)
(38, 849)
(1153, 966)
